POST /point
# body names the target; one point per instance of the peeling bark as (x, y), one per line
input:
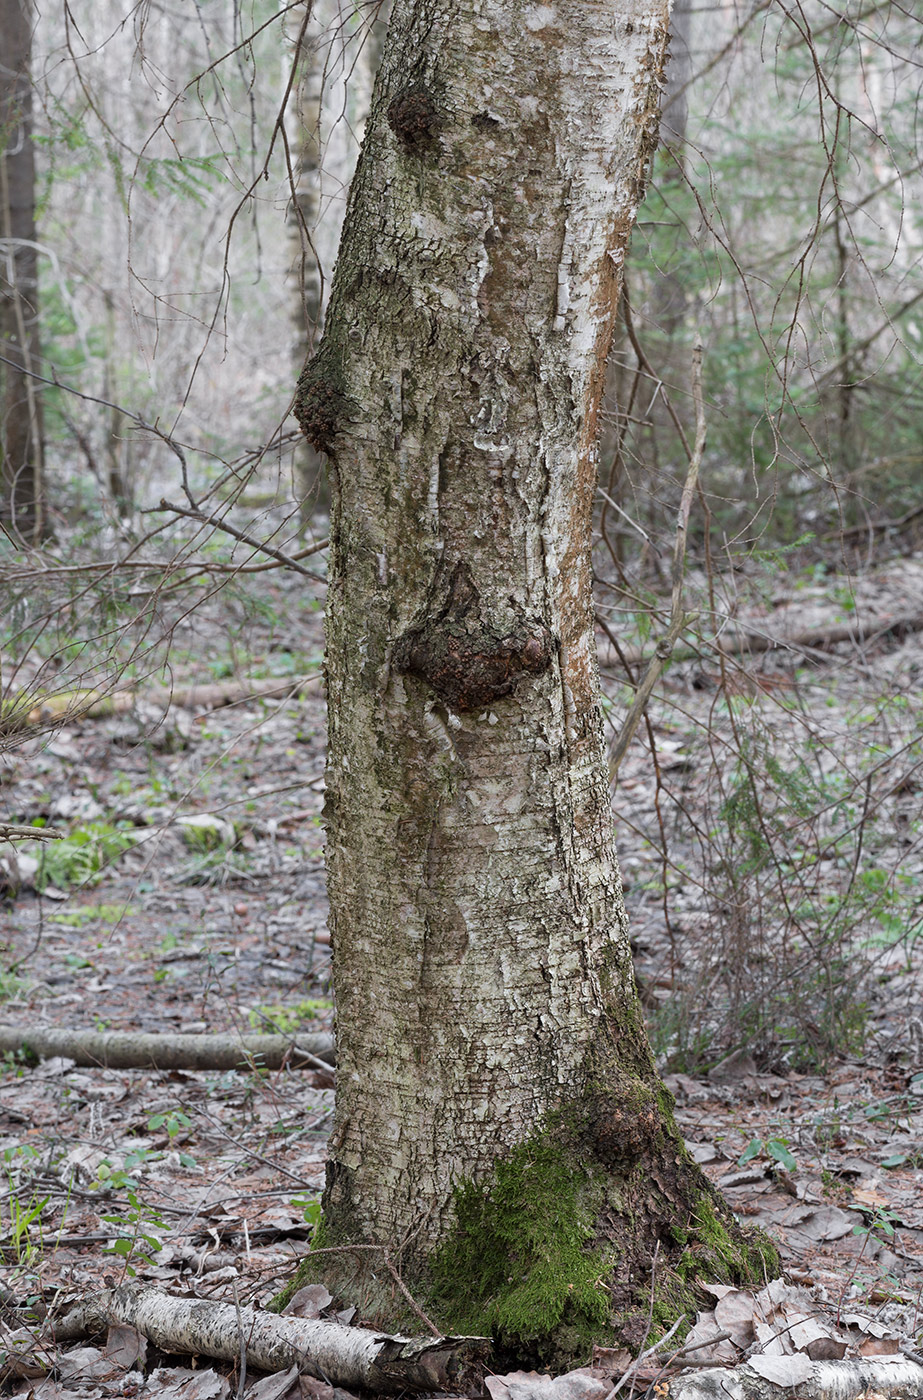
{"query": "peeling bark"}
(828, 1380)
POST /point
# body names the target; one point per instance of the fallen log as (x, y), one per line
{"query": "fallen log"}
(744, 643)
(347, 1356)
(798, 1375)
(72, 705)
(141, 1050)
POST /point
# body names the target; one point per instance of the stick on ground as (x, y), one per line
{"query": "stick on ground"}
(139, 1050)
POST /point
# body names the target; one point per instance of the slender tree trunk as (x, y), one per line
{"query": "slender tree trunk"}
(668, 296)
(336, 59)
(500, 1127)
(21, 439)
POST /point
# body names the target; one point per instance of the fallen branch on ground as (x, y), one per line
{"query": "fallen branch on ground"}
(344, 1356)
(73, 705)
(822, 1380)
(751, 643)
(139, 1050)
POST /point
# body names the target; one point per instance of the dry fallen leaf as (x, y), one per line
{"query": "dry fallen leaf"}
(177, 1383)
(309, 1301)
(826, 1349)
(734, 1314)
(532, 1385)
(880, 1346)
(869, 1197)
(126, 1347)
(284, 1385)
(783, 1370)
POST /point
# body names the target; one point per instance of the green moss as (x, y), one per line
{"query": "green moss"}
(717, 1253)
(556, 1249)
(310, 1270)
(520, 1260)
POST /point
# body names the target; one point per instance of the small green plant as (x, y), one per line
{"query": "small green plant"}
(204, 838)
(23, 1216)
(94, 913)
(172, 1123)
(136, 1243)
(286, 1019)
(81, 857)
(10, 985)
(776, 1149)
(23, 1208)
(310, 1208)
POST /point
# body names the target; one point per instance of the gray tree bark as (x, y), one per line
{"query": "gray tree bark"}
(499, 1122)
(21, 431)
(336, 55)
(669, 299)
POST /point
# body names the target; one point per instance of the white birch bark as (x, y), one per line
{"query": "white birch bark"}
(348, 1356)
(823, 1380)
(139, 1050)
(483, 973)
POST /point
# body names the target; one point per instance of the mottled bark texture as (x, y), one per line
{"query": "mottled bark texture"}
(499, 1127)
(21, 444)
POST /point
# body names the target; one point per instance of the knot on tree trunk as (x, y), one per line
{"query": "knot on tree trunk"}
(469, 661)
(625, 1126)
(321, 405)
(414, 119)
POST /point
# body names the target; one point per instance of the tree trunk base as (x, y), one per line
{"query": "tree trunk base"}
(590, 1235)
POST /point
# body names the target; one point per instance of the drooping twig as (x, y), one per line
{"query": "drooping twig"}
(218, 524)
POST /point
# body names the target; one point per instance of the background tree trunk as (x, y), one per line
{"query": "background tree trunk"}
(21, 440)
(669, 295)
(499, 1123)
(337, 56)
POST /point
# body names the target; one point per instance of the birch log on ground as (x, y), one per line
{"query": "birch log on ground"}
(347, 1356)
(74, 705)
(138, 1050)
(743, 643)
(820, 1380)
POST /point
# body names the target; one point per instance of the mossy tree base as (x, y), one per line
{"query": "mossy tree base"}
(562, 1248)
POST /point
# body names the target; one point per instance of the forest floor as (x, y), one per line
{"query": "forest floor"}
(202, 1181)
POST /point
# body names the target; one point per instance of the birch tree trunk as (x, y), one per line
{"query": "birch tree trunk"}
(336, 49)
(668, 296)
(500, 1128)
(21, 437)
